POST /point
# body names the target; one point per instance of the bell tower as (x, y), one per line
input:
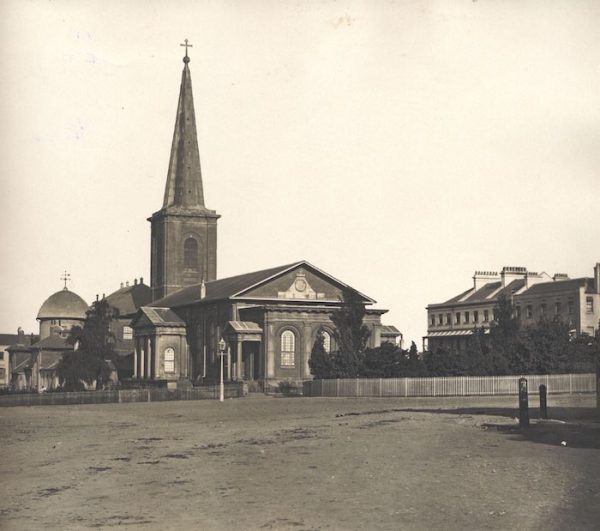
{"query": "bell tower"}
(184, 231)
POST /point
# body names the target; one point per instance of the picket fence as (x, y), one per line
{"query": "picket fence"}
(449, 386)
(120, 396)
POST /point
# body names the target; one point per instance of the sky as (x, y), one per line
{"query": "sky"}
(398, 146)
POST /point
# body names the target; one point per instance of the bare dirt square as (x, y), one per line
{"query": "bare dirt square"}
(300, 463)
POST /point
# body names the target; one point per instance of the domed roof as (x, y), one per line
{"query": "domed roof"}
(63, 304)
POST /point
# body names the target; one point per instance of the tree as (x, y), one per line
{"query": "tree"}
(93, 347)
(321, 362)
(351, 334)
(504, 332)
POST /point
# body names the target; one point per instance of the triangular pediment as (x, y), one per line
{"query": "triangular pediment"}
(300, 282)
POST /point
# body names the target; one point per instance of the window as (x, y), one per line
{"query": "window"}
(570, 307)
(169, 360)
(433, 320)
(448, 318)
(457, 318)
(486, 316)
(190, 254)
(518, 312)
(288, 349)
(440, 319)
(1, 356)
(529, 311)
(466, 317)
(475, 316)
(2, 373)
(127, 332)
(589, 305)
(557, 308)
(543, 309)
(326, 341)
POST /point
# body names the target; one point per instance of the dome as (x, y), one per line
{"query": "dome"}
(63, 304)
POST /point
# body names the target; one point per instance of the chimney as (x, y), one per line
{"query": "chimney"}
(127, 283)
(135, 281)
(141, 280)
(20, 336)
(560, 276)
(202, 290)
(481, 278)
(121, 285)
(510, 273)
(597, 277)
(97, 297)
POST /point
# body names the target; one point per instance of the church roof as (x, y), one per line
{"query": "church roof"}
(390, 330)
(226, 288)
(63, 304)
(53, 342)
(184, 189)
(128, 299)
(160, 316)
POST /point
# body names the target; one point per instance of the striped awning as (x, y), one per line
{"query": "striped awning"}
(455, 333)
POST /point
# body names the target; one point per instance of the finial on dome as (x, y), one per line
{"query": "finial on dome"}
(66, 277)
(186, 59)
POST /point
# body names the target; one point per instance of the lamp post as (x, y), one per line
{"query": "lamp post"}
(222, 346)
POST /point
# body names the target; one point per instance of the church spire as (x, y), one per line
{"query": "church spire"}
(184, 179)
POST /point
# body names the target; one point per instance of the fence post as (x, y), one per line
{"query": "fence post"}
(337, 387)
(571, 384)
(543, 403)
(523, 403)
(434, 380)
(357, 388)
(380, 387)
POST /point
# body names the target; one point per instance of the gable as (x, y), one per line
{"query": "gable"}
(300, 283)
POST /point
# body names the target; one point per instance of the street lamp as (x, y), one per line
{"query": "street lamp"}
(222, 346)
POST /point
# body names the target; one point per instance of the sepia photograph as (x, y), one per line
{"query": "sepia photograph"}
(300, 265)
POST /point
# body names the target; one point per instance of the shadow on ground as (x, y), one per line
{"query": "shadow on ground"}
(576, 427)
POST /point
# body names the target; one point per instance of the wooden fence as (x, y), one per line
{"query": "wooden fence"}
(450, 386)
(120, 396)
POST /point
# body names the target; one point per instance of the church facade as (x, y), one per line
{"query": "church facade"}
(268, 319)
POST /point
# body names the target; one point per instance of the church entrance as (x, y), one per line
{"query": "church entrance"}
(244, 339)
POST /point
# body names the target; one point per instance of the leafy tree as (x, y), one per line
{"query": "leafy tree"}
(351, 334)
(93, 346)
(386, 361)
(477, 360)
(322, 363)
(415, 366)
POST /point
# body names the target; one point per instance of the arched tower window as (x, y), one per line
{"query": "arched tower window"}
(288, 349)
(190, 254)
(326, 341)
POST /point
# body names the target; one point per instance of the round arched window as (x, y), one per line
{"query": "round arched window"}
(190, 254)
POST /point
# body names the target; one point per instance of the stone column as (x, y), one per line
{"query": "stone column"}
(239, 360)
(142, 358)
(228, 363)
(149, 359)
(135, 358)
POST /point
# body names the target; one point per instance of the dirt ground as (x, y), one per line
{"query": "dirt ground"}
(270, 463)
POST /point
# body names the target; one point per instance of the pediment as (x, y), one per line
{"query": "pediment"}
(302, 282)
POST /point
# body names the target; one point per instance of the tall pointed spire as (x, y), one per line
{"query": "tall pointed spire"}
(184, 179)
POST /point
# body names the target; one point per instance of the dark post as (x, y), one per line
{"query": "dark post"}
(543, 403)
(523, 404)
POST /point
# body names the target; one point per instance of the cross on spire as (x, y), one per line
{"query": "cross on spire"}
(66, 277)
(185, 43)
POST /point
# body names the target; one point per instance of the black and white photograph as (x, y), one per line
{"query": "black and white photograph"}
(300, 265)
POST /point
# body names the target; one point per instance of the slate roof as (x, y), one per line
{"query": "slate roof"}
(53, 342)
(226, 288)
(244, 326)
(129, 299)
(390, 330)
(482, 294)
(63, 304)
(559, 286)
(160, 316)
(219, 289)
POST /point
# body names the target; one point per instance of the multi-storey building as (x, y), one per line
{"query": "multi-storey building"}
(534, 296)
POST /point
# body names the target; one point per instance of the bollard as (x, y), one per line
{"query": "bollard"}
(523, 404)
(543, 403)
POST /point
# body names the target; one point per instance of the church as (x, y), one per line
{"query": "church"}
(264, 323)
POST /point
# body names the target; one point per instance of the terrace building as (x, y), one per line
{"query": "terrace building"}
(534, 296)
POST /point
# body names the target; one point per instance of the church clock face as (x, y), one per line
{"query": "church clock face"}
(300, 285)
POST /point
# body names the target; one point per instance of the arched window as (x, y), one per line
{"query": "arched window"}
(326, 340)
(288, 349)
(190, 254)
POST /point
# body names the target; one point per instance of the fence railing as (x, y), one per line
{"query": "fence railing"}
(450, 386)
(118, 396)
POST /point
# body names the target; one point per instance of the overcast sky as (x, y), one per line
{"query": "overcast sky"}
(399, 146)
